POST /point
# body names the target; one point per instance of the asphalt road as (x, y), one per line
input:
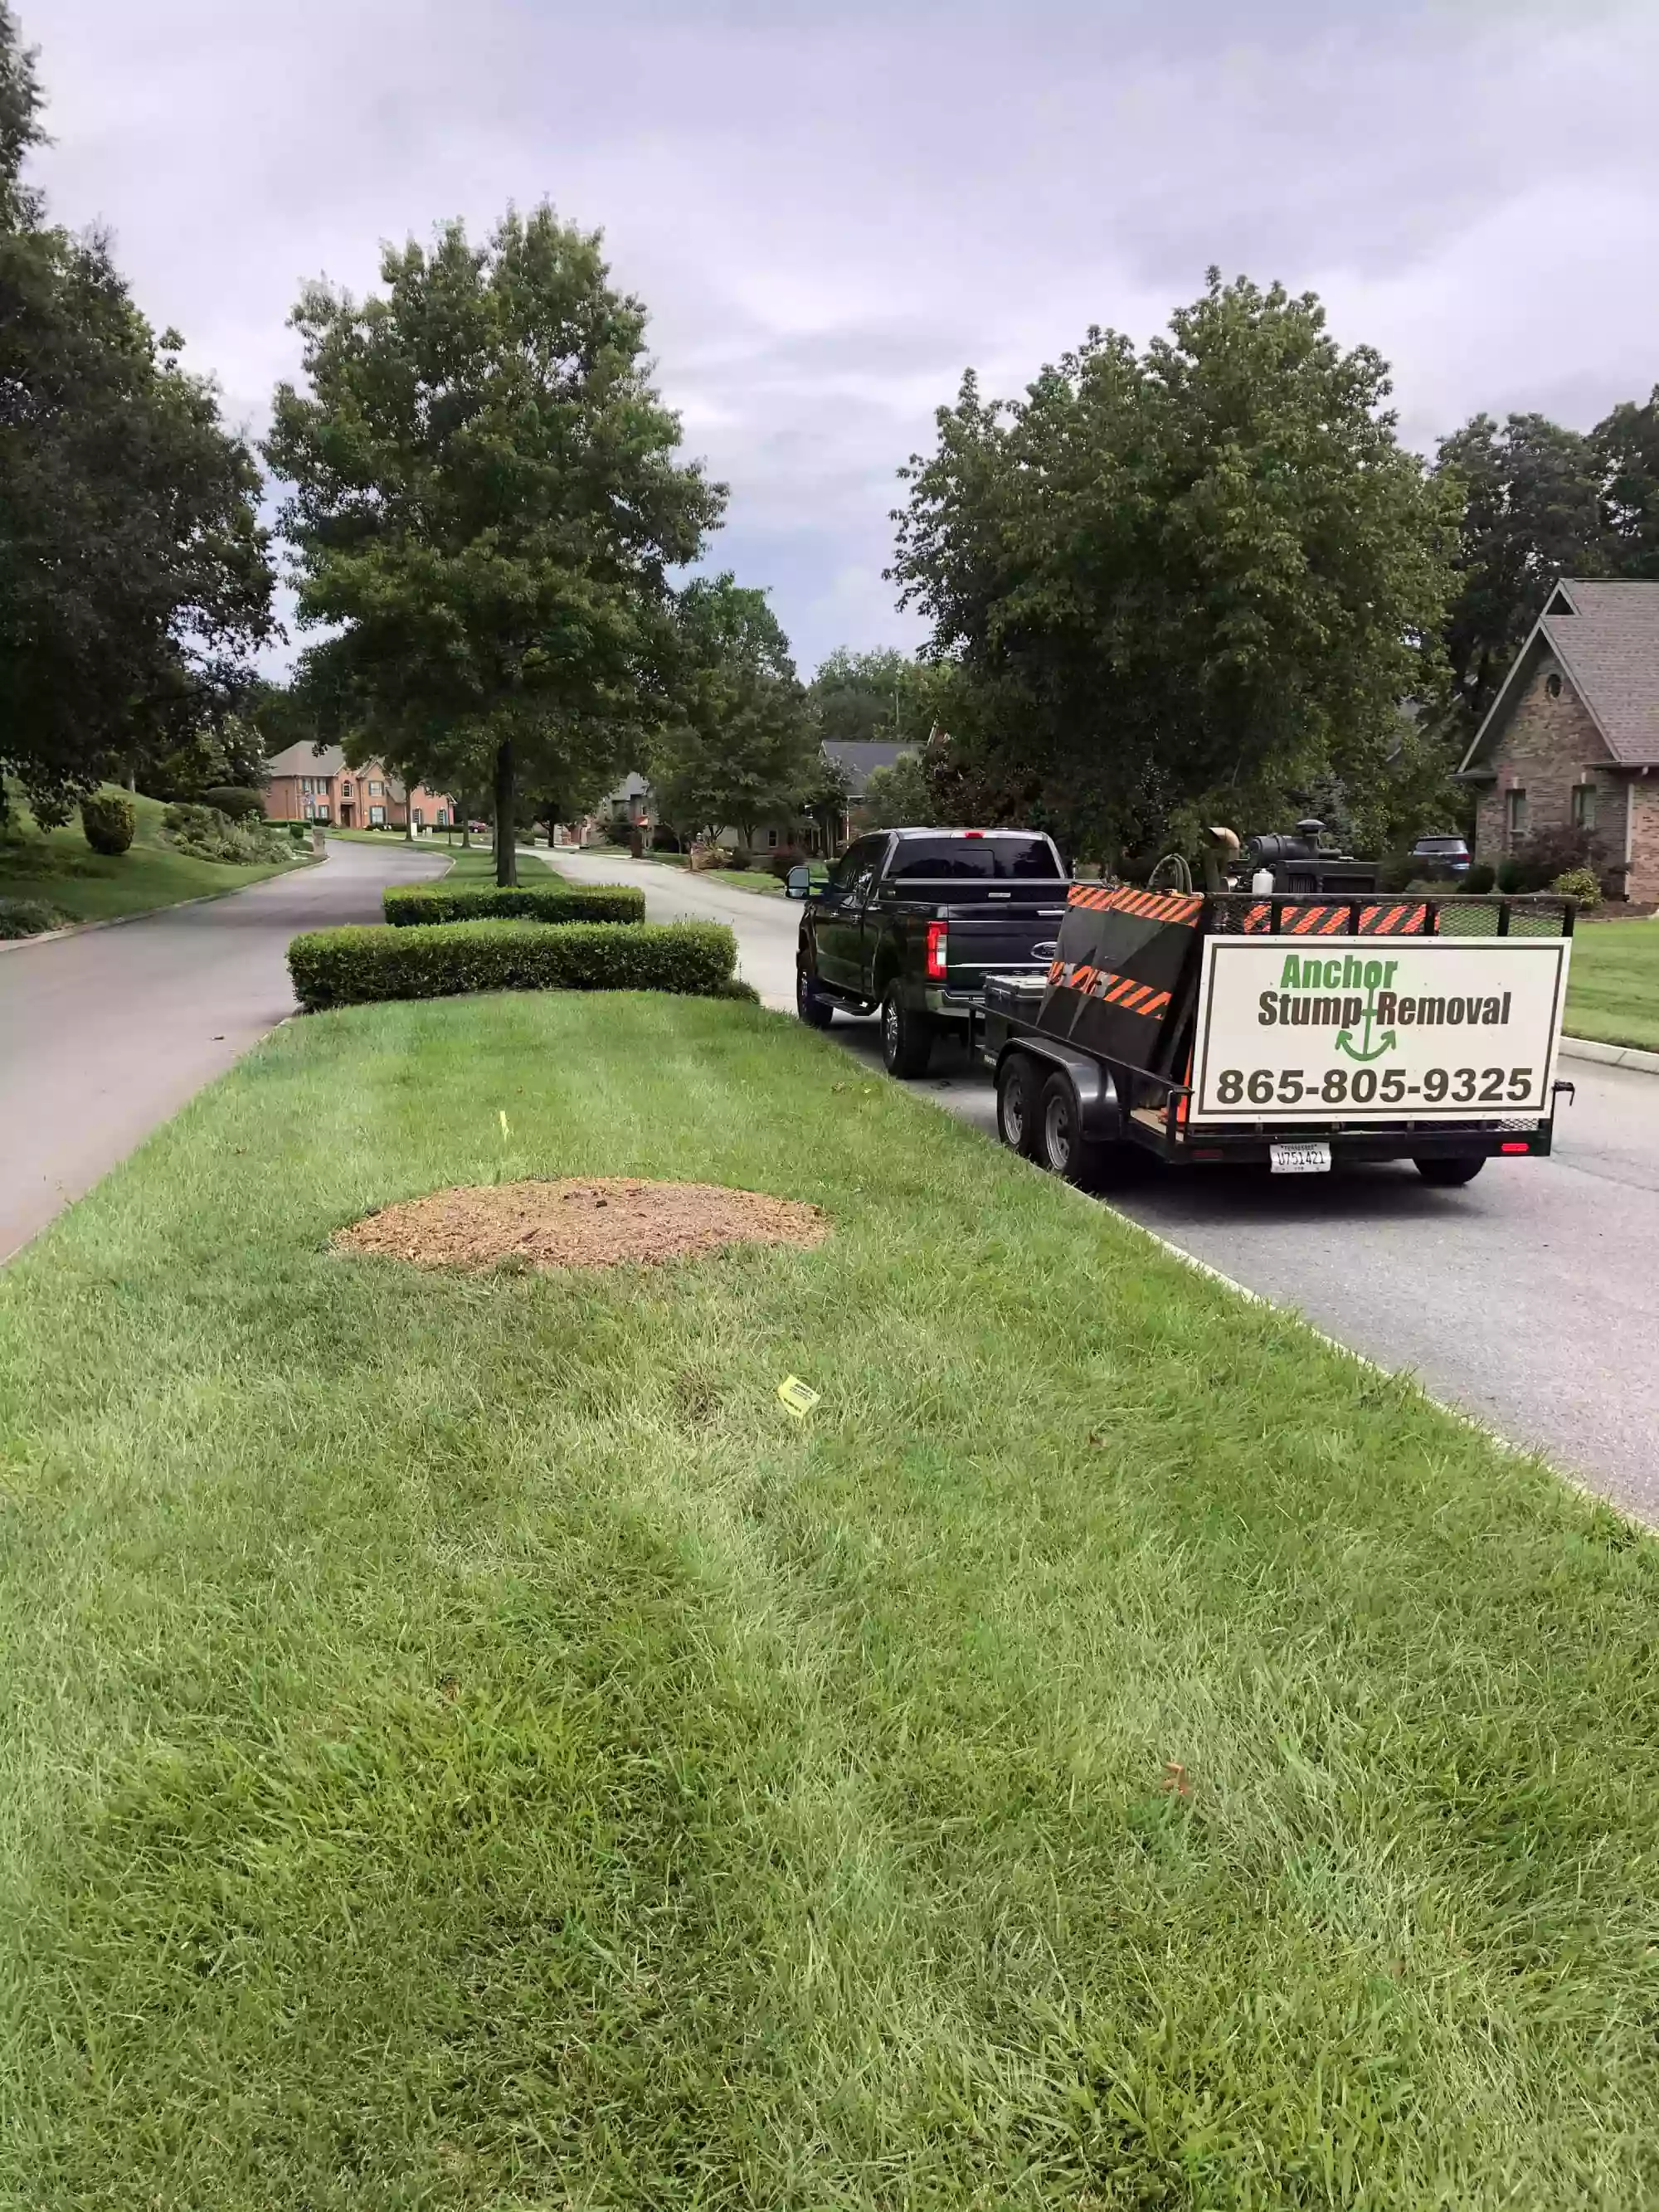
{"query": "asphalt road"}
(105, 1034)
(1530, 1298)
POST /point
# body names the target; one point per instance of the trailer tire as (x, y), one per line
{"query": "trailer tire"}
(1450, 1170)
(907, 1037)
(814, 1009)
(1019, 1091)
(1062, 1147)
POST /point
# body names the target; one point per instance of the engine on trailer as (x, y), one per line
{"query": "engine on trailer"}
(1304, 862)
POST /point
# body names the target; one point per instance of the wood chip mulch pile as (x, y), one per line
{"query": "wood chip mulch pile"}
(581, 1222)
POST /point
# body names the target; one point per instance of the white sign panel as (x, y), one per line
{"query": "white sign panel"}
(1373, 1029)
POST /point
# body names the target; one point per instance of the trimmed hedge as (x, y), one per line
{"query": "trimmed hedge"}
(352, 967)
(409, 905)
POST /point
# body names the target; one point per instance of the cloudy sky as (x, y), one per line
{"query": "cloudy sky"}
(831, 207)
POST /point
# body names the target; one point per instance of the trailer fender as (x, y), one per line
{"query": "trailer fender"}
(1099, 1108)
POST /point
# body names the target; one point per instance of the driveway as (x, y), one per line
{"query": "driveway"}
(105, 1034)
(1530, 1298)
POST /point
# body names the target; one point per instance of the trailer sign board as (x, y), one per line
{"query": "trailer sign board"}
(1366, 1029)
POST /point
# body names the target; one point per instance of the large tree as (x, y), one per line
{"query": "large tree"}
(737, 746)
(1180, 583)
(1531, 498)
(1627, 452)
(486, 497)
(882, 696)
(134, 576)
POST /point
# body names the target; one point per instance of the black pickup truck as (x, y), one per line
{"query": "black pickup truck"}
(911, 920)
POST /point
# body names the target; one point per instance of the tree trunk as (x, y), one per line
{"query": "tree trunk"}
(507, 854)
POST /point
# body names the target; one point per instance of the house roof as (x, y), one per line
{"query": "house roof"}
(1605, 634)
(306, 760)
(861, 759)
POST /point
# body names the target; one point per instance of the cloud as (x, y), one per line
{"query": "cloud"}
(832, 210)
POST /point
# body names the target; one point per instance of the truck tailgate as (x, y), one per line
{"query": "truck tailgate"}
(980, 942)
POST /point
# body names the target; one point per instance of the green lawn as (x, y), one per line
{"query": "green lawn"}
(743, 879)
(468, 1746)
(1612, 990)
(59, 867)
(478, 864)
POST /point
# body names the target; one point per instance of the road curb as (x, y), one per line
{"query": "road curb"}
(1610, 1056)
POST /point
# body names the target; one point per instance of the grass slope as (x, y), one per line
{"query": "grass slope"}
(469, 1746)
(1612, 990)
(58, 866)
(476, 864)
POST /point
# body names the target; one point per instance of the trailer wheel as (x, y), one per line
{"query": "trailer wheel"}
(1018, 1106)
(907, 1037)
(1450, 1170)
(1062, 1147)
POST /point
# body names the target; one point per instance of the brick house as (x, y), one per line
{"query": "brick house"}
(309, 786)
(1572, 739)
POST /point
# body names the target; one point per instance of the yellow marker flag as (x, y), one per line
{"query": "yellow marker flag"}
(504, 1116)
(796, 1397)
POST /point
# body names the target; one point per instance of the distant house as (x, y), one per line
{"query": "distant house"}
(1572, 739)
(631, 807)
(308, 786)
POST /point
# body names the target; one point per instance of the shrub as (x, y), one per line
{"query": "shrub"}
(107, 821)
(1581, 883)
(207, 835)
(1545, 855)
(408, 905)
(1480, 877)
(22, 917)
(351, 967)
(665, 840)
(234, 799)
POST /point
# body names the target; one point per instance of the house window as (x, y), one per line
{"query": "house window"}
(322, 809)
(441, 817)
(376, 791)
(1583, 806)
(376, 814)
(771, 836)
(1552, 684)
(1515, 817)
(345, 791)
(420, 818)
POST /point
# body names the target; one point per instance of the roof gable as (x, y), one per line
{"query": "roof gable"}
(1605, 633)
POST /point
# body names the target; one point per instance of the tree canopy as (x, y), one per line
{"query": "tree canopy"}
(1182, 583)
(487, 498)
(134, 576)
(1531, 495)
(1627, 447)
(737, 747)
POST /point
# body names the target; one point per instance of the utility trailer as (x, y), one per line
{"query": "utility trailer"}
(1298, 1032)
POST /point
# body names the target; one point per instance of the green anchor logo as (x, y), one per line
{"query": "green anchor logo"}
(1345, 1037)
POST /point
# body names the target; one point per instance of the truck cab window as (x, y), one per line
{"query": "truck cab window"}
(941, 859)
(857, 864)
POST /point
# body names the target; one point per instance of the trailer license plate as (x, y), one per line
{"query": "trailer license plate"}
(1301, 1159)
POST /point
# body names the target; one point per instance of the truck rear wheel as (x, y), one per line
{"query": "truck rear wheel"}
(907, 1037)
(1019, 1094)
(1448, 1171)
(1061, 1146)
(814, 1009)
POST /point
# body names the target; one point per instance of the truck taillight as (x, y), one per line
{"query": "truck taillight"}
(936, 952)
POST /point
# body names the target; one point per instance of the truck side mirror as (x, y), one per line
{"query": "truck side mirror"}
(798, 882)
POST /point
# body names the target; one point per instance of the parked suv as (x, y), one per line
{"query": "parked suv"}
(1446, 857)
